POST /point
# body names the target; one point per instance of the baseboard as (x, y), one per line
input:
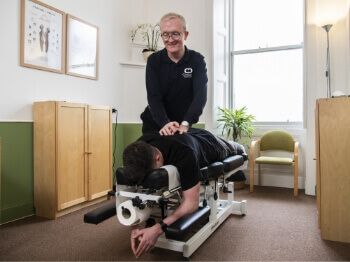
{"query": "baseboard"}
(279, 177)
(16, 212)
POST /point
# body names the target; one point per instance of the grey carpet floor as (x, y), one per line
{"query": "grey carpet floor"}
(277, 227)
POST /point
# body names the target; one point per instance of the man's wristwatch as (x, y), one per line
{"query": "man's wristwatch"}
(185, 123)
(163, 225)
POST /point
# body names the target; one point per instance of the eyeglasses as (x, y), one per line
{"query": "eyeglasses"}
(174, 36)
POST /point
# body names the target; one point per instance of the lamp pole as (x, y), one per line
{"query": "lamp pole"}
(328, 72)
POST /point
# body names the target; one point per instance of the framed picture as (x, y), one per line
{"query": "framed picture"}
(82, 48)
(42, 37)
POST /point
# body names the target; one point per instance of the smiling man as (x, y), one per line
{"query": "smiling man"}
(176, 82)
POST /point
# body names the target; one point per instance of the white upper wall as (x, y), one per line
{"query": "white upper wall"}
(118, 86)
(21, 86)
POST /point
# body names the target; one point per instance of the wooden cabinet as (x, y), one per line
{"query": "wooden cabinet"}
(72, 156)
(333, 168)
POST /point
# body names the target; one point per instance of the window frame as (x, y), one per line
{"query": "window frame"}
(233, 53)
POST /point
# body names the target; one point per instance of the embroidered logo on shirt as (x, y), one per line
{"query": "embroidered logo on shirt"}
(187, 73)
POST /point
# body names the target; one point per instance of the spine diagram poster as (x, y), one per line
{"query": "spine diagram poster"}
(42, 36)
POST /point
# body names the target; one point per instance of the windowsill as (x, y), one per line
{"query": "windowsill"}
(133, 64)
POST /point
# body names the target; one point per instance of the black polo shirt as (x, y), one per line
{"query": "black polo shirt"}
(175, 91)
(189, 152)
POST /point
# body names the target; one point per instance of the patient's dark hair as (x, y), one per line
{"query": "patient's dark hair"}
(138, 160)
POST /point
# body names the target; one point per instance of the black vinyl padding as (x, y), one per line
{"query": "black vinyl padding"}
(101, 214)
(184, 225)
(215, 170)
(121, 179)
(245, 156)
(232, 162)
(156, 179)
(204, 172)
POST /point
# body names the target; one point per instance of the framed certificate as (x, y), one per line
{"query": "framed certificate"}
(82, 48)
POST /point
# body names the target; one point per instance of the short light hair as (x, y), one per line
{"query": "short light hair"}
(169, 16)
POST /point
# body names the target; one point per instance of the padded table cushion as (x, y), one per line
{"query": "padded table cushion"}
(232, 162)
(100, 214)
(181, 227)
(121, 179)
(156, 179)
(215, 170)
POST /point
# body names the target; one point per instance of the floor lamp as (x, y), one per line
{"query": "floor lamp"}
(328, 72)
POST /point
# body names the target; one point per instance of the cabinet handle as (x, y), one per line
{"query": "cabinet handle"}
(88, 153)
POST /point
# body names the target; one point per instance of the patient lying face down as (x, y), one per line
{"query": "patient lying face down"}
(188, 153)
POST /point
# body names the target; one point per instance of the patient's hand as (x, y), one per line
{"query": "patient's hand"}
(134, 238)
(143, 240)
(169, 129)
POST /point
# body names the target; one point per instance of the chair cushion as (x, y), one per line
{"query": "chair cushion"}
(274, 160)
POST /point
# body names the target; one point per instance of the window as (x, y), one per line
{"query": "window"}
(267, 59)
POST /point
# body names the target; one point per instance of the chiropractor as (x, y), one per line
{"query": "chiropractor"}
(176, 81)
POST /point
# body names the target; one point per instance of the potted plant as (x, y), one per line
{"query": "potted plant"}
(236, 123)
(150, 35)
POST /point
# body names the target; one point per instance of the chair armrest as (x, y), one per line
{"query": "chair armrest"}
(252, 148)
(296, 151)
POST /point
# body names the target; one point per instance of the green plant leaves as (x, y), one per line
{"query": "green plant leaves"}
(236, 122)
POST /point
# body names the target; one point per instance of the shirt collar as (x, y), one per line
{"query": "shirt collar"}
(166, 58)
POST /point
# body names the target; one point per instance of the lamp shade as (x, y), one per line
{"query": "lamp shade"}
(329, 12)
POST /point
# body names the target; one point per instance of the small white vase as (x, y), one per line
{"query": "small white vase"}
(146, 54)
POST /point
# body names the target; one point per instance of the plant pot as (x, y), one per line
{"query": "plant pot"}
(238, 178)
(239, 185)
(146, 54)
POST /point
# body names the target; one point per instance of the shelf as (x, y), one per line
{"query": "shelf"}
(133, 64)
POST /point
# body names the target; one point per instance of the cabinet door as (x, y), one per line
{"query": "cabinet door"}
(71, 154)
(100, 151)
(334, 177)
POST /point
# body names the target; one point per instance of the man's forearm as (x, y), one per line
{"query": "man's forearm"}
(189, 205)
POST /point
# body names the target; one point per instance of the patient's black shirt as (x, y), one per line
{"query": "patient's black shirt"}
(191, 151)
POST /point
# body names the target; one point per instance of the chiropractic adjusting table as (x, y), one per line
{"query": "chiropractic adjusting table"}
(160, 194)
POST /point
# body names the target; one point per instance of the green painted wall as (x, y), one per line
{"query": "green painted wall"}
(17, 171)
(17, 174)
(126, 134)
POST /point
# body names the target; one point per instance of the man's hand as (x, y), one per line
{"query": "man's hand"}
(145, 239)
(134, 239)
(183, 129)
(169, 129)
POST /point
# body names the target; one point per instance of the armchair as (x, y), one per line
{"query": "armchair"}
(279, 141)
